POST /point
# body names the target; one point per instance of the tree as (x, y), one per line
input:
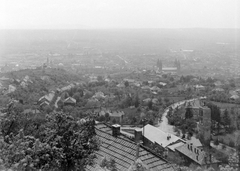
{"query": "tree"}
(150, 104)
(114, 121)
(126, 83)
(77, 96)
(215, 115)
(107, 117)
(226, 119)
(136, 101)
(100, 78)
(188, 125)
(108, 164)
(188, 113)
(65, 145)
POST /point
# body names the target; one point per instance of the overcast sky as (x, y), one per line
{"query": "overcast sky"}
(73, 14)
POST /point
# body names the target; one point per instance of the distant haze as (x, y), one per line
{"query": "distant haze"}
(95, 14)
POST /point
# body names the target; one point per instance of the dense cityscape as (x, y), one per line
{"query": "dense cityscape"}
(162, 110)
(131, 86)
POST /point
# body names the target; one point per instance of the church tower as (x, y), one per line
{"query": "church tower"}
(159, 65)
(177, 64)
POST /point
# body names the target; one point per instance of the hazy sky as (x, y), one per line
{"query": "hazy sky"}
(61, 14)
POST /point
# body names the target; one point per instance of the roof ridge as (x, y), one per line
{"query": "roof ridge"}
(151, 151)
(131, 141)
(128, 139)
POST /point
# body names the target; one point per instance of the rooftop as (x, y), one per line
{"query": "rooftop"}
(156, 135)
(70, 100)
(196, 154)
(124, 151)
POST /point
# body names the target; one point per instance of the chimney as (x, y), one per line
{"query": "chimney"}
(196, 157)
(137, 151)
(115, 130)
(138, 135)
(191, 147)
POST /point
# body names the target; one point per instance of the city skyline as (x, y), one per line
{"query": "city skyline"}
(105, 14)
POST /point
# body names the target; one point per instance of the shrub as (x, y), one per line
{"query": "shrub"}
(231, 144)
(216, 142)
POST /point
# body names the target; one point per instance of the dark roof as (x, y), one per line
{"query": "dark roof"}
(123, 151)
(196, 154)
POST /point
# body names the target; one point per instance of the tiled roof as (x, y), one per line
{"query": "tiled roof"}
(123, 151)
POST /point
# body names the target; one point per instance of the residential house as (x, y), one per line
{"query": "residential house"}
(193, 154)
(162, 84)
(121, 85)
(130, 81)
(99, 95)
(25, 81)
(137, 84)
(194, 107)
(218, 90)
(47, 98)
(155, 88)
(199, 88)
(11, 89)
(46, 78)
(234, 97)
(147, 100)
(44, 104)
(93, 78)
(117, 116)
(218, 83)
(146, 88)
(67, 87)
(23, 84)
(110, 97)
(35, 111)
(150, 83)
(125, 151)
(153, 135)
(69, 101)
(155, 101)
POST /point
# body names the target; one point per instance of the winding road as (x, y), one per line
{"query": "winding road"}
(163, 124)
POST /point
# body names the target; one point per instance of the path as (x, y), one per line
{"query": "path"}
(163, 124)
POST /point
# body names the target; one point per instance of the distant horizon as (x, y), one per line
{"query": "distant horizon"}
(119, 14)
(208, 28)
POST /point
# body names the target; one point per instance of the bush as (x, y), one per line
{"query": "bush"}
(220, 140)
(216, 142)
(223, 146)
(231, 144)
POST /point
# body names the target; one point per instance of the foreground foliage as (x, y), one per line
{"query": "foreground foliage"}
(65, 144)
